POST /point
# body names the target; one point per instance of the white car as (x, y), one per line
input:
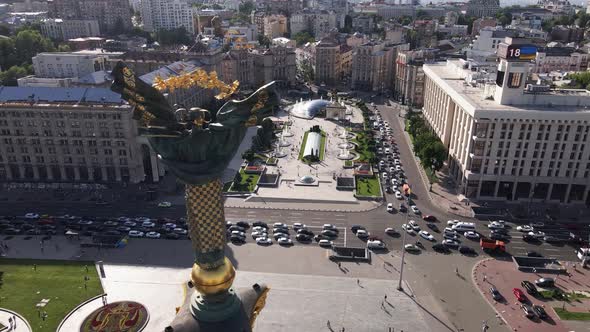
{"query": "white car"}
(398, 168)
(148, 224)
(259, 229)
(396, 162)
(414, 225)
(452, 222)
(449, 236)
(256, 235)
(284, 241)
(361, 233)
(415, 209)
(450, 230)
(426, 235)
(471, 235)
(164, 204)
(238, 233)
(142, 219)
(31, 215)
(390, 207)
(411, 247)
(280, 225)
(398, 195)
(537, 234)
(130, 223)
(329, 227)
(152, 235)
(524, 228)
(325, 243)
(495, 225)
(180, 231)
(85, 222)
(376, 244)
(298, 225)
(170, 225)
(390, 231)
(450, 243)
(263, 241)
(135, 233)
(408, 229)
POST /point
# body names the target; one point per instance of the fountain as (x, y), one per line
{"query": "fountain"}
(279, 152)
(286, 132)
(283, 141)
(345, 144)
(345, 154)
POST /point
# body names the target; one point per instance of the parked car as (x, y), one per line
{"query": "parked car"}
(403, 208)
(263, 241)
(533, 254)
(325, 243)
(376, 245)
(467, 250)
(305, 231)
(237, 239)
(545, 282)
(135, 233)
(429, 218)
(164, 204)
(237, 228)
(332, 234)
(256, 235)
(243, 224)
(529, 287)
(330, 227)
(439, 247)
(528, 311)
(471, 235)
(540, 311)
(390, 207)
(415, 209)
(519, 294)
(303, 237)
(285, 241)
(411, 247)
(495, 293)
(524, 228)
(390, 231)
(433, 227)
(355, 228)
(426, 235)
(450, 243)
(152, 235)
(260, 224)
(408, 229)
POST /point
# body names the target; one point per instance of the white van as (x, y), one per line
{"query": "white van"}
(464, 227)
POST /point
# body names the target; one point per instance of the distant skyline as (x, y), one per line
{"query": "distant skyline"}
(503, 3)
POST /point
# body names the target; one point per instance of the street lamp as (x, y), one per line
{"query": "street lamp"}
(401, 269)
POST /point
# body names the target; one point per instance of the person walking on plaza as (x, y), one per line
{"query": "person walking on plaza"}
(10, 323)
(14, 321)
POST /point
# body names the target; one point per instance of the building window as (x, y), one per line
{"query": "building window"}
(514, 80)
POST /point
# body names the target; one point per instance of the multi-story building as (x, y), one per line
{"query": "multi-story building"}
(409, 76)
(425, 33)
(167, 15)
(272, 26)
(363, 23)
(281, 6)
(187, 97)
(550, 59)
(65, 64)
(238, 65)
(481, 23)
(398, 10)
(567, 34)
(328, 68)
(317, 22)
(373, 66)
(485, 45)
(276, 63)
(483, 8)
(60, 29)
(508, 141)
(113, 16)
(71, 135)
(527, 21)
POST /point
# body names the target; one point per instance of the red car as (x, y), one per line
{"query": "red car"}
(429, 218)
(519, 294)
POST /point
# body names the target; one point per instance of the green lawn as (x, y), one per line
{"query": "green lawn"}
(368, 186)
(303, 146)
(348, 163)
(362, 148)
(322, 145)
(248, 183)
(568, 315)
(62, 282)
(561, 296)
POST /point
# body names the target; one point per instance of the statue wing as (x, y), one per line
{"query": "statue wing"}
(151, 108)
(250, 111)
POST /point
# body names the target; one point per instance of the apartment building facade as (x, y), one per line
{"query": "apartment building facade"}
(409, 76)
(65, 64)
(167, 15)
(112, 15)
(71, 135)
(61, 29)
(373, 66)
(507, 141)
(560, 58)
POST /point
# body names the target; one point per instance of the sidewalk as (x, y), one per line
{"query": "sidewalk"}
(441, 194)
(21, 324)
(505, 276)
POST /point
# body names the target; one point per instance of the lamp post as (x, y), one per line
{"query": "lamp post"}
(401, 269)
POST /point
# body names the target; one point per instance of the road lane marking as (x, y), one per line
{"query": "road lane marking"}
(551, 249)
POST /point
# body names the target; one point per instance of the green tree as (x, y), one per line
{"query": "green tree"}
(246, 7)
(64, 48)
(178, 36)
(10, 76)
(303, 37)
(4, 30)
(29, 43)
(264, 40)
(7, 53)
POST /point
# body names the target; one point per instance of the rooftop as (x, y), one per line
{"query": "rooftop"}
(472, 97)
(42, 95)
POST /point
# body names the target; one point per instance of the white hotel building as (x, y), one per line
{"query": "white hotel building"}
(508, 141)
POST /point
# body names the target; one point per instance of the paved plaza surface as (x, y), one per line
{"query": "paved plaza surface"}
(505, 276)
(21, 324)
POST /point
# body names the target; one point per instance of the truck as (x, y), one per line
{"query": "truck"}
(492, 245)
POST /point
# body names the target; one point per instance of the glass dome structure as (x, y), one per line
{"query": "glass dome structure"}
(307, 179)
(309, 109)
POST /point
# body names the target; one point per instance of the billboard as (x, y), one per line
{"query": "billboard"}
(517, 52)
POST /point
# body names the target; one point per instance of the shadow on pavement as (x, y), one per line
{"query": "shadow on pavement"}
(428, 312)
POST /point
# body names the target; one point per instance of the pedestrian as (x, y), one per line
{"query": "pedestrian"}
(339, 264)
(34, 267)
(328, 324)
(10, 322)
(485, 278)
(358, 282)
(385, 298)
(14, 321)
(457, 270)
